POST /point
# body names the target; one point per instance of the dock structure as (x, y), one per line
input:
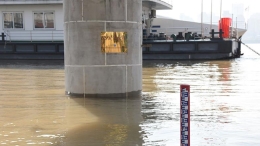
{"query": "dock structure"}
(102, 47)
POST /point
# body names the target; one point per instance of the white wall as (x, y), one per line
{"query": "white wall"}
(28, 13)
(29, 20)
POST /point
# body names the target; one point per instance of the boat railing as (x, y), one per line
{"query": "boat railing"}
(175, 30)
(167, 33)
(51, 35)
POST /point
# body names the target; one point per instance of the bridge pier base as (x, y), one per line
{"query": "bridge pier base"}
(103, 55)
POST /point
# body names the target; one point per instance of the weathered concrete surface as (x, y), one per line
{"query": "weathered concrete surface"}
(88, 71)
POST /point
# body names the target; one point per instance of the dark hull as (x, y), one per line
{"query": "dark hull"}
(152, 50)
(191, 50)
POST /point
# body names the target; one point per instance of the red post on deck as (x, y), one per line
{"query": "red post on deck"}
(225, 25)
(185, 115)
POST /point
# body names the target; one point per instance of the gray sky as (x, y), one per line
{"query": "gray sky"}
(192, 8)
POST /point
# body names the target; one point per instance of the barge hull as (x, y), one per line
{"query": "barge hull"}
(191, 50)
(152, 50)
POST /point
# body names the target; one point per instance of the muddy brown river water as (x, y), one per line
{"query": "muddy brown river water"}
(225, 111)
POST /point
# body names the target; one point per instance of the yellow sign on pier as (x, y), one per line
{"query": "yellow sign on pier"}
(114, 42)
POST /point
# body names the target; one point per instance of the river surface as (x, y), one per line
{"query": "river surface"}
(225, 111)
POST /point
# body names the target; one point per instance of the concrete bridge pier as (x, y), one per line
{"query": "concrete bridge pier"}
(103, 55)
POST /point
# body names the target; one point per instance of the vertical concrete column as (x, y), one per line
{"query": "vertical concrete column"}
(88, 70)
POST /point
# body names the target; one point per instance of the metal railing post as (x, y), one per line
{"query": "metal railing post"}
(232, 27)
(8, 34)
(31, 35)
(202, 19)
(236, 29)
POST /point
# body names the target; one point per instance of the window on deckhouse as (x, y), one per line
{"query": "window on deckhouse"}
(13, 20)
(44, 20)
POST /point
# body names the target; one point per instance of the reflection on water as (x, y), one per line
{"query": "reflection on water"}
(224, 106)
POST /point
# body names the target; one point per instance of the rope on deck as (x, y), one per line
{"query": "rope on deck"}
(250, 48)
